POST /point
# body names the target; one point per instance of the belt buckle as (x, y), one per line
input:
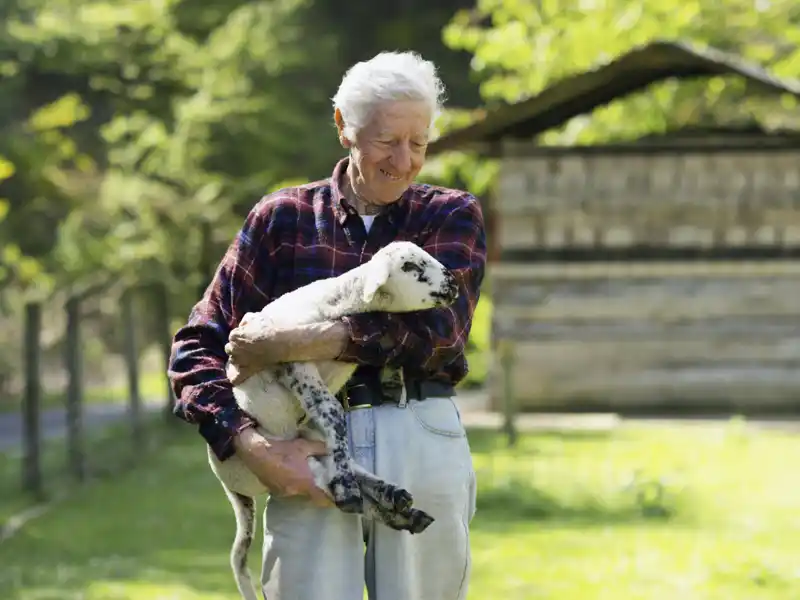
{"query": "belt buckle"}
(346, 398)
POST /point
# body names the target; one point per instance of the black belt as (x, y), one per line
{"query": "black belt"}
(363, 394)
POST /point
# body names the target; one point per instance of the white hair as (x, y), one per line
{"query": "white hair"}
(389, 76)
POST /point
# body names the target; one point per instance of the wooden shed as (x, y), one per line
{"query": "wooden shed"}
(661, 274)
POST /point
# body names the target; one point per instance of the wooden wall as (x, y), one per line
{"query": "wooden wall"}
(724, 196)
(649, 336)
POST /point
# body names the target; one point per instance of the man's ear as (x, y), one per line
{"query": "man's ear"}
(339, 120)
(377, 276)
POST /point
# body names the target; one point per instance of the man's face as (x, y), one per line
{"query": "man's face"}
(389, 151)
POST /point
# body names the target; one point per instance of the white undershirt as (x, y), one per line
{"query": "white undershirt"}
(368, 219)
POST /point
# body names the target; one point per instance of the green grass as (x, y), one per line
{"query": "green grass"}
(151, 385)
(108, 452)
(695, 513)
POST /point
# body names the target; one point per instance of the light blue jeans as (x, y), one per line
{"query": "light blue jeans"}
(315, 553)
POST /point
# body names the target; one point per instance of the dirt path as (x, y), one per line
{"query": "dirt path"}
(53, 422)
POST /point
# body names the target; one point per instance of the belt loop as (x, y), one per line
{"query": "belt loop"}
(403, 397)
(403, 390)
(344, 399)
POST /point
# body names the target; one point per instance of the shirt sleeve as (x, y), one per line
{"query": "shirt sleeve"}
(425, 341)
(242, 283)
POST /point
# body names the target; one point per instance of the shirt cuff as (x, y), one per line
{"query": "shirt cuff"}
(222, 428)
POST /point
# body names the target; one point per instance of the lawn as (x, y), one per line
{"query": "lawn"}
(151, 385)
(694, 513)
(108, 451)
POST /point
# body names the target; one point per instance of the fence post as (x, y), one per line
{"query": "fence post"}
(506, 348)
(32, 464)
(132, 364)
(74, 403)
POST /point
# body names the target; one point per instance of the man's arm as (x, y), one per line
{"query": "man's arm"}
(428, 340)
(242, 283)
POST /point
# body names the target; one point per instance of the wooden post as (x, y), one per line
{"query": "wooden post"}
(31, 441)
(507, 351)
(132, 367)
(74, 404)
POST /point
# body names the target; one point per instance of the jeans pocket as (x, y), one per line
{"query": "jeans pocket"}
(439, 416)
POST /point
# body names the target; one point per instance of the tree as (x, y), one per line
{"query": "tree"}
(520, 47)
(133, 124)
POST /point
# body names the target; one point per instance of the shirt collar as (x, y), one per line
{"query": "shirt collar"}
(342, 208)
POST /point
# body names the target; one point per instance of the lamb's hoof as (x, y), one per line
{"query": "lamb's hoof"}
(346, 494)
(413, 520)
(399, 499)
(420, 521)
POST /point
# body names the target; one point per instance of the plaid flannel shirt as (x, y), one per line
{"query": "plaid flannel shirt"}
(300, 234)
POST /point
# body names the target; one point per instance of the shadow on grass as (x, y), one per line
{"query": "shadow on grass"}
(502, 506)
(512, 491)
(108, 451)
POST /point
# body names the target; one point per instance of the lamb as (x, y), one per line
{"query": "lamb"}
(298, 399)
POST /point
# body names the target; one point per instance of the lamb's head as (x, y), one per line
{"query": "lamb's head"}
(402, 277)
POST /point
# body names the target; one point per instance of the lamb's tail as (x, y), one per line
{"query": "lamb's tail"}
(244, 508)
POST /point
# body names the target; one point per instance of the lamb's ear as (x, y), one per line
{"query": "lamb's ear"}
(377, 276)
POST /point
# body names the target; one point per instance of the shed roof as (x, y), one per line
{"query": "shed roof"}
(583, 92)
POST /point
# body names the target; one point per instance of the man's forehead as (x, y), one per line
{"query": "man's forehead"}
(400, 117)
(393, 131)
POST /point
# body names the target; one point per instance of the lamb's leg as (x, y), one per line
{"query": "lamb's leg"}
(383, 502)
(304, 381)
(390, 504)
(388, 496)
(244, 508)
(411, 519)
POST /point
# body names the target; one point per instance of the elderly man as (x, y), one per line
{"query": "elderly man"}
(407, 428)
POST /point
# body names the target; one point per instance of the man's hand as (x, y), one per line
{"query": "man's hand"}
(254, 346)
(282, 465)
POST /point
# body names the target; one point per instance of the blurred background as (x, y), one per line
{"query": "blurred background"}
(634, 390)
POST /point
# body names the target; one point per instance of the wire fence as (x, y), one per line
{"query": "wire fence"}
(84, 390)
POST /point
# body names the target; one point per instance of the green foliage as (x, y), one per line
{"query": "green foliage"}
(134, 124)
(6, 171)
(521, 47)
(131, 138)
(479, 347)
(142, 131)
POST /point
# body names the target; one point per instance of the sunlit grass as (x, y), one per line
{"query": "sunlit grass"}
(699, 513)
(108, 451)
(151, 385)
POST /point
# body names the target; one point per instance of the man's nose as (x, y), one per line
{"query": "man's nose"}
(401, 158)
